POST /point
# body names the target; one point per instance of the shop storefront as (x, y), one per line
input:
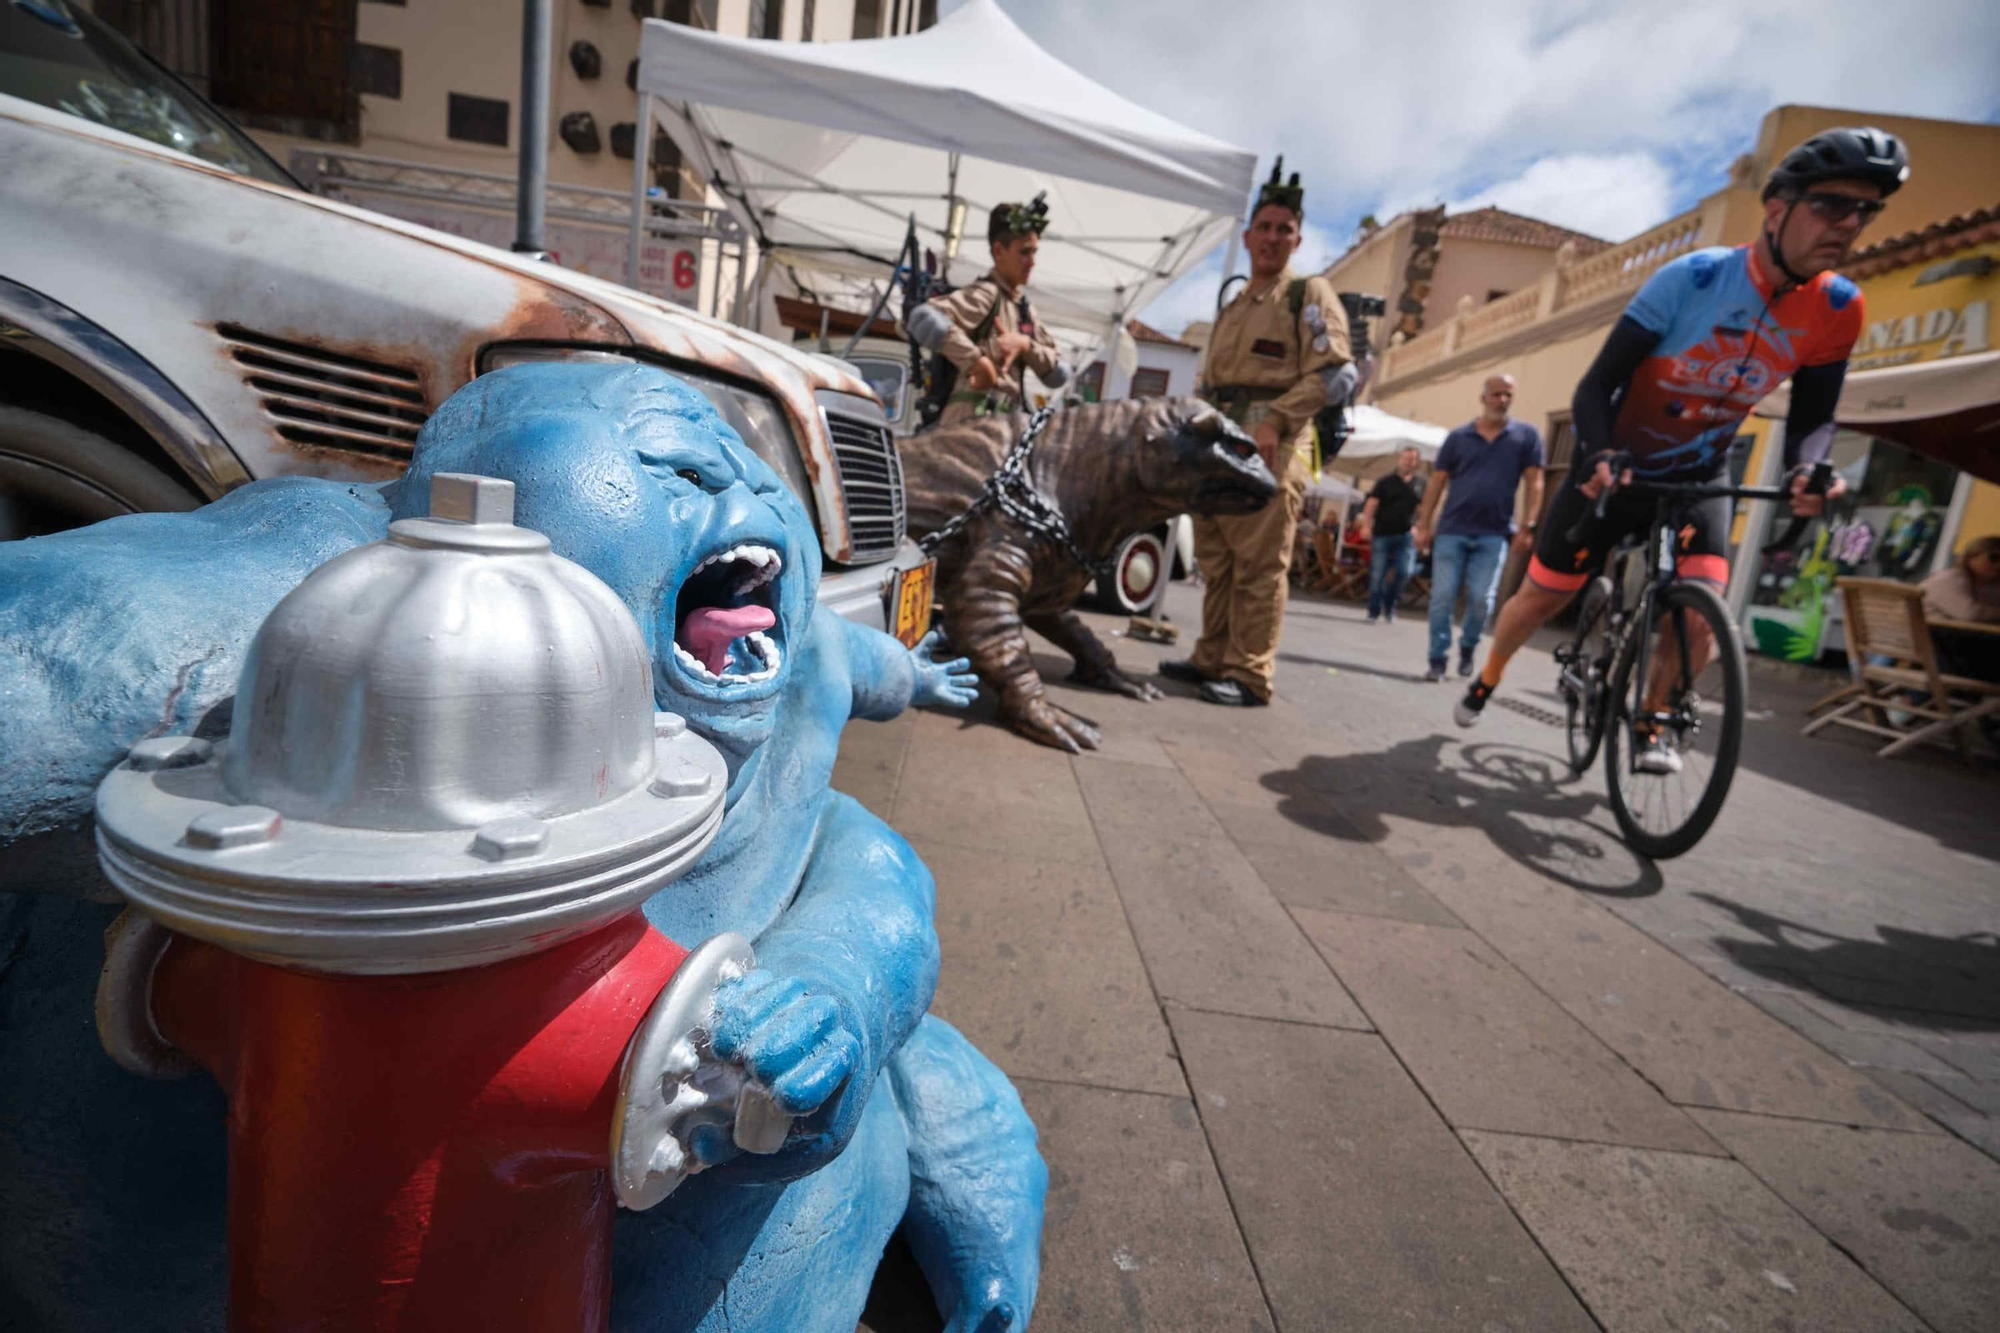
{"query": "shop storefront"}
(1919, 441)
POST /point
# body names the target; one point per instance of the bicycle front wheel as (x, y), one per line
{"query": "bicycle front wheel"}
(1584, 669)
(1666, 799)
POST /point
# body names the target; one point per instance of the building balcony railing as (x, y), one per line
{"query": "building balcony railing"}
(1605, 279)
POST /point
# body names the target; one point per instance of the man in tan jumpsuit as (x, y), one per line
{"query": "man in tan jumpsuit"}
(988, 331)
(1279, 353)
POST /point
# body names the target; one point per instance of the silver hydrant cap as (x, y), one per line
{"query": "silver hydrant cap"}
(443, 752)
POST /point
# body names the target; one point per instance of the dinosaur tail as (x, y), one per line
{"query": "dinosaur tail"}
(976, 1181)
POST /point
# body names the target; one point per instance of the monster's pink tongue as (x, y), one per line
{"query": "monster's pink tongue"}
(709, 630)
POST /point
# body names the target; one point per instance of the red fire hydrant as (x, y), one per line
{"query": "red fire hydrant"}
(397, 917)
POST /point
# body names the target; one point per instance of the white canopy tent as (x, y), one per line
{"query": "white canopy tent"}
(823, 151)
(1370, 452)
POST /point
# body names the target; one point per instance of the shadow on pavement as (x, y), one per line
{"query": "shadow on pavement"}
(1512, 794)
(1931, 792)
(1942, 982)
(1359, 668)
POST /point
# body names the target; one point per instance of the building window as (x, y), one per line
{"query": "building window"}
(376, 69)
(927, 15)
(806, 22)
(1149, 382)
(767, 19)
(1091, 383)
(867, 18)
(690, 12)
(477, 119)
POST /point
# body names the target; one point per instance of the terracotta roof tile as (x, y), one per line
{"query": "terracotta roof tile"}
(1945, 236)
(1146, 333)
(1497, 224)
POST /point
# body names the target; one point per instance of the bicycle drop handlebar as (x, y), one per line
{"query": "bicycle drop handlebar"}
(1816, 484)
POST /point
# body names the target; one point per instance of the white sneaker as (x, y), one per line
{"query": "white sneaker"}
(1655, 753)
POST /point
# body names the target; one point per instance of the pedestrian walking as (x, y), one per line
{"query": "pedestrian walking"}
(1479, 470)
(1386, 520)
(1278, 353)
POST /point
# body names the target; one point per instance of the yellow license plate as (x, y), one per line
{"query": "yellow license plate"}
(913, 603)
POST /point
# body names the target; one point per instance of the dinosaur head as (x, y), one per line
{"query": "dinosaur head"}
(633, 475)
(1194, 460)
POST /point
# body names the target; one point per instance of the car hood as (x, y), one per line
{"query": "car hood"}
(668, 329)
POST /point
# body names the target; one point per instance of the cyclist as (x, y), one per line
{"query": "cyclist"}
(1704, 339)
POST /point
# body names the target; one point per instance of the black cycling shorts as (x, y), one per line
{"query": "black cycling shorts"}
(1701, 545)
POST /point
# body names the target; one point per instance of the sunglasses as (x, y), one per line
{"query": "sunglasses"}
(1840, 207)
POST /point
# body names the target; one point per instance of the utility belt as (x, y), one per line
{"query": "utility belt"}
(1235, 402)
(1235, 399)
(984, 404)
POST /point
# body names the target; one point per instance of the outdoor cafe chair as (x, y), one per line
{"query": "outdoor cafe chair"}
(1900, 691)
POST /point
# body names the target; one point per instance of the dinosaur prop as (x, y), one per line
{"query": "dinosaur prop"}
(112, 1185)
(1105, 471)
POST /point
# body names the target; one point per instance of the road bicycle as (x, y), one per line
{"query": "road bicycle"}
(1608, 670)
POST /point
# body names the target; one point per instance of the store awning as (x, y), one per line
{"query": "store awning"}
(824, 149)
(1947, 409)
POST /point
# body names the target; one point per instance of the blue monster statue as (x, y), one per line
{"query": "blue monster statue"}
(137, 626)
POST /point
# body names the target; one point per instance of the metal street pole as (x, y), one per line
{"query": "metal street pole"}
(537, 35)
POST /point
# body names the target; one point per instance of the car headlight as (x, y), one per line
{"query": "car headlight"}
(751, 414)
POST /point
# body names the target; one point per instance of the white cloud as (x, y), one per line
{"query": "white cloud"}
(1612, 195)
(1604, 115)
(1373, 102)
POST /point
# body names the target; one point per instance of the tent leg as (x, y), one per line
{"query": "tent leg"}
(642, 154)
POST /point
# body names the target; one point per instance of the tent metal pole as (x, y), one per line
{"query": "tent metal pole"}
(950, 208)
(642, 207)
(531, 198)
(742, 279)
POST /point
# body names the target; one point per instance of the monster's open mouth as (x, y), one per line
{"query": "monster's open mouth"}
(722, 614)
(1231, 495)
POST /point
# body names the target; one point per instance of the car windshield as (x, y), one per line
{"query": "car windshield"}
(886, 378)
(55, 53)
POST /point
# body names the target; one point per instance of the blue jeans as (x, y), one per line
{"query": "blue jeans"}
(1390, 560)
(1472, 563)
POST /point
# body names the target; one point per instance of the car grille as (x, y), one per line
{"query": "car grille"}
(871, 480)
(330, 399)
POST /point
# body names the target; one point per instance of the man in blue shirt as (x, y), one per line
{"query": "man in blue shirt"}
(1479, 469)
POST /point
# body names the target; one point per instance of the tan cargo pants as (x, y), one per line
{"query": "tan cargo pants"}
(1245, 562)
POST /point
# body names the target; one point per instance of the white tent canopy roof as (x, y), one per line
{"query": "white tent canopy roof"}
(824, 149)
(1378, 437)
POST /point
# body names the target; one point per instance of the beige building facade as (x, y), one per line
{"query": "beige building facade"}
(1546, 333)
(438, 82)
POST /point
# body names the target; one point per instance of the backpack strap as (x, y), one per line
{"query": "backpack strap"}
(1295, 296)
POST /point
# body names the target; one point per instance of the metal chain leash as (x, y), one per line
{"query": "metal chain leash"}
(1011, 489)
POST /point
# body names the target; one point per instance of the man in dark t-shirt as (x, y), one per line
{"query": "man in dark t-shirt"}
(1385, 524)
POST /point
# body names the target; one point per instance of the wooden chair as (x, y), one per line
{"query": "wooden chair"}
(1885, 619)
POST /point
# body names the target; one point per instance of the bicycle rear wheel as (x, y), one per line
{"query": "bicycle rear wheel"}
(1664, 814)
(1582, 682)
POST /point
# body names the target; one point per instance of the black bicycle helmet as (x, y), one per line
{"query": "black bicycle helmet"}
(1865, 154)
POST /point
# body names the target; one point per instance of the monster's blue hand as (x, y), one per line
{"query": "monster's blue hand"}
(949, 683)
(804, 1045)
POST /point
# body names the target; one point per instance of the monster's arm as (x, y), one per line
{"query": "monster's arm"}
(842, 980)
(888, 677)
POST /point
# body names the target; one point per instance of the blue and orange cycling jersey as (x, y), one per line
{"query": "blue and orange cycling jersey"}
(1724, 344)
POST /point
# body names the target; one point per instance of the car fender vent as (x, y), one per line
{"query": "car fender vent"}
(327, 399)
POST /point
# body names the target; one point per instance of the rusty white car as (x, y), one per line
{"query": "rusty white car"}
(177, 318)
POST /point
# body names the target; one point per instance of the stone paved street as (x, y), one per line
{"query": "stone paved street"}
(1333, 1016)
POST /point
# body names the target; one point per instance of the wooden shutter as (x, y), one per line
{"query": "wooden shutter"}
(285, 59)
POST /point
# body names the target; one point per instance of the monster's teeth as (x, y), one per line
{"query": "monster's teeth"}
(765, 649)
(694, 667)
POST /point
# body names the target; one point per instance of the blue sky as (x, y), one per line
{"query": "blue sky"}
(1603, 115)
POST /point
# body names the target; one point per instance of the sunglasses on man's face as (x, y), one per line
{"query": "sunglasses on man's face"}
(1841, 207)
